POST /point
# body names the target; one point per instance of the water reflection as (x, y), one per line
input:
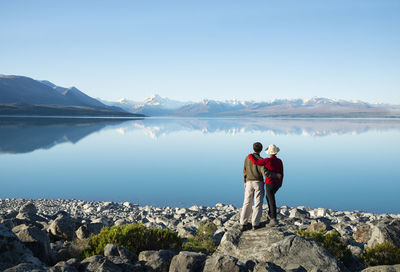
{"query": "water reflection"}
(155, 128)
(23, 135)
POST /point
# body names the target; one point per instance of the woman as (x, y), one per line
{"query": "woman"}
(273, 164)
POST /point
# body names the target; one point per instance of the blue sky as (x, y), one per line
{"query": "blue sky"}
(189, 50)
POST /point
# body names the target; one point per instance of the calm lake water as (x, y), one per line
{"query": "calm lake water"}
(343, 164)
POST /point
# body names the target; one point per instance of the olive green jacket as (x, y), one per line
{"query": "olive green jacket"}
(256, 172)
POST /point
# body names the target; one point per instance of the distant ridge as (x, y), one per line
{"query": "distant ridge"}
(314, 107)
(20, 95)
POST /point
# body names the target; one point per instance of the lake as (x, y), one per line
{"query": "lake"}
(343, 164)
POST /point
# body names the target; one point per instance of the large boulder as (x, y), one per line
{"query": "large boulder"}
(36, 240)
(119, 255)
(383, 268)
(63, 227)
(378, 232)
(24, 267)
(99, 264)
(187, 261)
(12, 251)
(267, 267)
(62, 267)
(385, 230)
(278, 246)
(87, 230)
(218, 263)
(159, 261)
(28, 212)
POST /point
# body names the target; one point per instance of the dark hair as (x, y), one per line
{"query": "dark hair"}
(257, 147)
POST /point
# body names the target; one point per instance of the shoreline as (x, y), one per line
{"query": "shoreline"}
(55, 225)
(13, 204)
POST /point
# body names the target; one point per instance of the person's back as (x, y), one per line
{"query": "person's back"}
(254, 190)
(252, 171)
(273, 164)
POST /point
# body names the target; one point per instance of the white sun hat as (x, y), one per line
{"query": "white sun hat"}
(272, 149)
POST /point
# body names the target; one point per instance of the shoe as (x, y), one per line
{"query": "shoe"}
(273, 222)
(245, 227)
(257, 227)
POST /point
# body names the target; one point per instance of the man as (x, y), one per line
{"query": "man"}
(272, 185)
(254, 190)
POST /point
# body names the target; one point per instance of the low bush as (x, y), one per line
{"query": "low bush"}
(134, 237)
(203, 241)
(331, 242)
(381, 254)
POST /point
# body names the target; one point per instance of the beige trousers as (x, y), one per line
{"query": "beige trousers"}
(254, 190)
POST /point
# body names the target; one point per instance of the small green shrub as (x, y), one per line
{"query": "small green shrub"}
(134, 237)
(331, 242)
(381, 254)
(202, 242)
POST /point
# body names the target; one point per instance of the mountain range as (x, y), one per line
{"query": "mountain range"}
(314, 107)
(21, 95)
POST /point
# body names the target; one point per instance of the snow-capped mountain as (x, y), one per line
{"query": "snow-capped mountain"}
(154, 105)
(313, 107)
(158, 101)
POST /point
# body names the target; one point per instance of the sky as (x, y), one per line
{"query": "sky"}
(190, 50)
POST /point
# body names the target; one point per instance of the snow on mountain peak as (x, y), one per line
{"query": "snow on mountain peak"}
(157, 100)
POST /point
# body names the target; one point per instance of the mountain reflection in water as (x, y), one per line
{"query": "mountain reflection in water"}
(23, 135)
(304, 127)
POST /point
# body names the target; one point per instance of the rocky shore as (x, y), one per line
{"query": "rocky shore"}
(45, 235)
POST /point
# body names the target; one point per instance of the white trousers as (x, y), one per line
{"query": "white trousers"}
(254, 191)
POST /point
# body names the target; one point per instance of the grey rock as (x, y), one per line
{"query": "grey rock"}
(218, 263)
(63, 227)
(385, 230)
(186, 231)
(28, 212)
(28, 208)
(87, 230)
(99, 264)
(217, 236)
(24, 267)
(125, 255)
(36, 240)
(8, 223)
(187, 262)
(297, 213)
(279, 247)
(356, 248)
(159, 261)
(318, 226)
(12, 251)
(297, 251)
(267, 267)
(63, 267)
(120, 222)
(383, 268)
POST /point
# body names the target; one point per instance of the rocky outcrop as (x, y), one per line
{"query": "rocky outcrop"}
(87, 230)
(159, 261)
(383, 268)
(187, 262)
(278, 246)
(119, 255)
(36, 240)
(12, 251)
(218, 263)
(47, 228)
(63, 227)
(99, 263)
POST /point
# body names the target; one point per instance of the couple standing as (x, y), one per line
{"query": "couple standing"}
(254, 169)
